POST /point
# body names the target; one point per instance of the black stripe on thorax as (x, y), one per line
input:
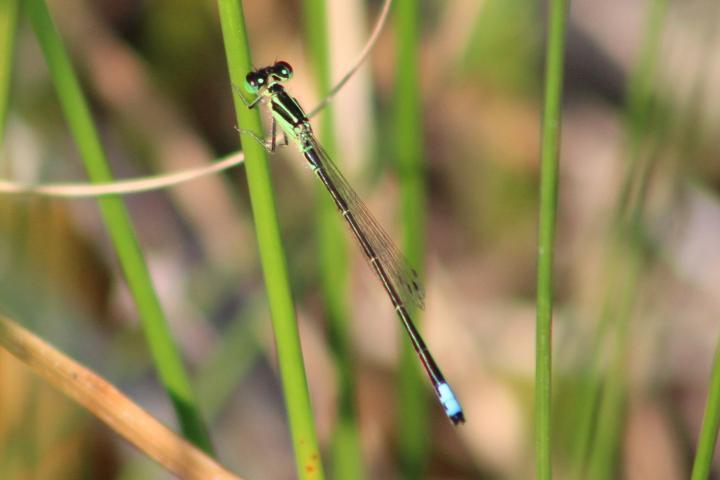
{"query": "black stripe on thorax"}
(286, 106)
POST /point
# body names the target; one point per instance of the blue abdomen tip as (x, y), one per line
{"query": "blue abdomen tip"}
(450, 403)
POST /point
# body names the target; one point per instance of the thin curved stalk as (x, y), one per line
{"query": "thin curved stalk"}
(121, 187)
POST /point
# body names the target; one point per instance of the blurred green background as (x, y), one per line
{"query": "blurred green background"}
(637, 257)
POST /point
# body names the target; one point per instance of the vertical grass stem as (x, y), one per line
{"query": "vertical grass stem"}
(8, 27)
(412, 408)
(554, 62)
(77, 112)
(272, 255)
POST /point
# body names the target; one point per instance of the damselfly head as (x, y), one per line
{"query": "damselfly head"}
(256, 80)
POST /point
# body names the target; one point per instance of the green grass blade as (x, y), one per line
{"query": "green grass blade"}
(693, 133)
(272, 256)
(332, 248)
(710, 425)
(691, 146)
(77, 111)
(639, 103)
(8, 26)
(587, 394)
(624, 260)
(230, 361)
(554, 59)
(412, 407)
(624, 290)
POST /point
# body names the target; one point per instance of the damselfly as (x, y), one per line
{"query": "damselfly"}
(399, 280)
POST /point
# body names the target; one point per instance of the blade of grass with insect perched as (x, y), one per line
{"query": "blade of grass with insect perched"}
(272, 255)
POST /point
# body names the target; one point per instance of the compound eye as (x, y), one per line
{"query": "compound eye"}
(254, 81)
(283, 70)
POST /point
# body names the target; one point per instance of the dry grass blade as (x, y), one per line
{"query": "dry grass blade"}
(121, 187)
(110, 405)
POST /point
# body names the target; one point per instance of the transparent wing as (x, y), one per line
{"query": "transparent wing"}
(403, 277)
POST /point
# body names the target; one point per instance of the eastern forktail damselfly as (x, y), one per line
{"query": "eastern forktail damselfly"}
(398, 279)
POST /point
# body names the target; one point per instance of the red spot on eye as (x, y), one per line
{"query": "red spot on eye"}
(309, 468)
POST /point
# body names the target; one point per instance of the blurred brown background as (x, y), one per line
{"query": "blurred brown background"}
(637, 257)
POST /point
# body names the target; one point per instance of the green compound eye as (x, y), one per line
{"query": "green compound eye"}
(282, 70)
(254, 81)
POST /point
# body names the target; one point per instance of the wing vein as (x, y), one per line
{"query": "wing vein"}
(403, 277)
